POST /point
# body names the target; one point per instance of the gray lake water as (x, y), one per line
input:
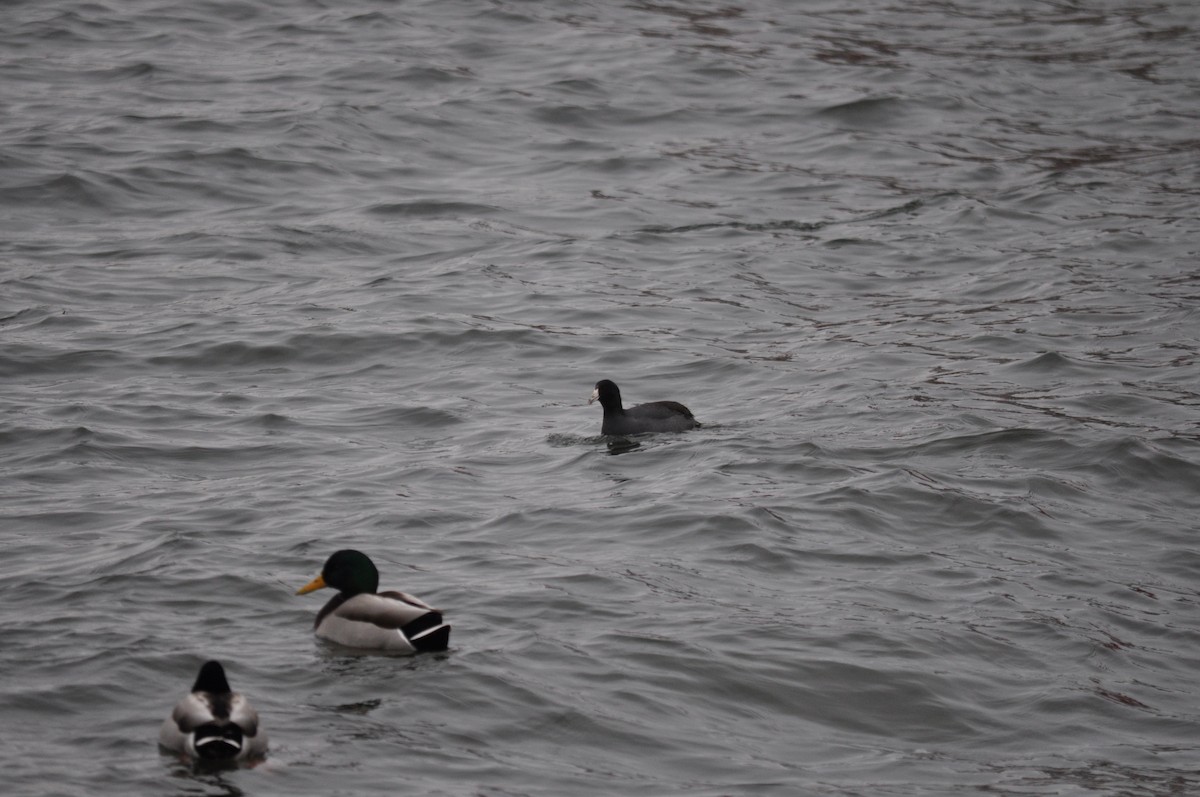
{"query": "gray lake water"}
(278, 278)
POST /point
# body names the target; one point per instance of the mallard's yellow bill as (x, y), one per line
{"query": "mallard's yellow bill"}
(315, 584)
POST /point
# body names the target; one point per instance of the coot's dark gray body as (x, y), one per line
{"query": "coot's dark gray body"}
(655, 416)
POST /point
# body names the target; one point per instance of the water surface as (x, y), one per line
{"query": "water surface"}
(281, 278)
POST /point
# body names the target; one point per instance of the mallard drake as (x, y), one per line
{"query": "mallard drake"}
(213, 723)
(360, 617)
(655, 416)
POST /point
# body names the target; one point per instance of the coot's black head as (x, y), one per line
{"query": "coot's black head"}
(608, 394)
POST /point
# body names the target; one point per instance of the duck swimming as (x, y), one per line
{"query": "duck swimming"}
(213, 723)
(655, 416)
(360, 617)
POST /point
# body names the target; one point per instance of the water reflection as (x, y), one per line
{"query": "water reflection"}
(622, 445)
(209, 776)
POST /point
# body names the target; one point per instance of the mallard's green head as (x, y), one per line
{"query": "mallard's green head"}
(211, 679)
(349, 572)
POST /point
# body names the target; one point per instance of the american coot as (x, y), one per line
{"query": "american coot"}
(360, 617)
(655, 416)
(213, 723)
